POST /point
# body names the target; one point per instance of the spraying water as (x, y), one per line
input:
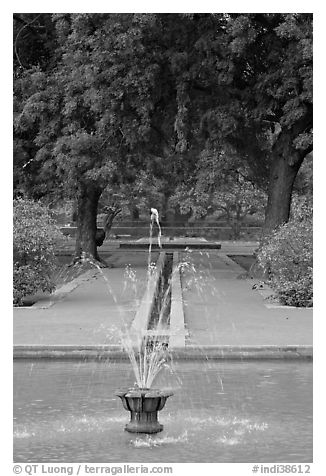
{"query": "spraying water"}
(154, 219)
(147, 355)
(147, 352)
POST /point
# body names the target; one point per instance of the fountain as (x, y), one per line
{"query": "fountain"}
(147, 357)
(146, 341)
(143, 405)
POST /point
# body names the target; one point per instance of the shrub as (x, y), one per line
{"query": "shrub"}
(34, 237)
(288, 258)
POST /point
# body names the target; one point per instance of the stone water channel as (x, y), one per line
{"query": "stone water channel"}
(160, 313)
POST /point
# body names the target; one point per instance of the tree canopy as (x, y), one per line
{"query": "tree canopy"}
(101, 100)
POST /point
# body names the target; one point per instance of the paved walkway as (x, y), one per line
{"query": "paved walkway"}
(87, 311)
(220, 309)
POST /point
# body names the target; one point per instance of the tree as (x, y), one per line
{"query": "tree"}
(103, 117)
(303, 184)
(101, 233)
(221, 186)
(122, 91)
(245, 81)
(33, 41)
(89, 115)
(266, 112)
(34, 45)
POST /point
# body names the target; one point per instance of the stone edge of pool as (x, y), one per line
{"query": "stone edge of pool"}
(107, 352)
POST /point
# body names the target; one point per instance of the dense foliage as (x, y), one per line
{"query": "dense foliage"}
(288, 258)
(114, 98)
(34, 238)
(222, 187)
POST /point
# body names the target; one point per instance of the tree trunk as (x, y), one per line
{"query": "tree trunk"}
(237, 223)
(134, 213)
(236, 229)
(101, 233)
(113, 211)
(87, 202)
(286, 163)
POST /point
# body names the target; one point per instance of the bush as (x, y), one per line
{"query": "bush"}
(287, 257)
(34, 260)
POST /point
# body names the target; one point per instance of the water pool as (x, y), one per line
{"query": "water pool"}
(236, 411)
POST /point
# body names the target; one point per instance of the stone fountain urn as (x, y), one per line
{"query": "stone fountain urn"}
(143, 405)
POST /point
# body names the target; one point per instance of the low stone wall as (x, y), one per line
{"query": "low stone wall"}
(250, 233)
(116, 353)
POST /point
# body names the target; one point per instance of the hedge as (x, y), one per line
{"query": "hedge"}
(287, 257)
(34, 238)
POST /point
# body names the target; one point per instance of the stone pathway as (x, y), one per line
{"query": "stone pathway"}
(220, 309)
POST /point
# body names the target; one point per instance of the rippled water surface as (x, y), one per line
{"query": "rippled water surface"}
(220, 412)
